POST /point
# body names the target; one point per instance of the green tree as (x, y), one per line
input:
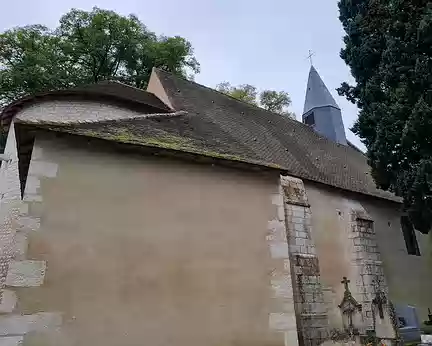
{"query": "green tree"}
(388, 46)
(87, 47)
(274, 101)
(244, 92)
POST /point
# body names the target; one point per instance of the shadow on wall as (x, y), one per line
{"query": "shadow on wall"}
(3, 137)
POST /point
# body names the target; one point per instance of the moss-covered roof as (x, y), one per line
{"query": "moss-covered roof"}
(268, 137)
(172, 133)
(211, 124)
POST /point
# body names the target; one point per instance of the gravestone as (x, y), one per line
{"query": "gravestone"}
(409, 326)
(426, 340)
(384, 325)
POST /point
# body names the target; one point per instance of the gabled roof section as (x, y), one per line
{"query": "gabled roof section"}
(105, 91)
(207, 123)
(126, 92)
(317, 94)
(252, 133)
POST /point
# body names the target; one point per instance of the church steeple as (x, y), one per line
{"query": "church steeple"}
(321, 110)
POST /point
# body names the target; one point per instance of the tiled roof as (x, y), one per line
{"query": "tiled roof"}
(253, 133)
(126, 92)
(217, 125)
(106, 91)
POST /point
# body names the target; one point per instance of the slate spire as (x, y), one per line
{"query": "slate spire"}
(321, 110)
(317, 94)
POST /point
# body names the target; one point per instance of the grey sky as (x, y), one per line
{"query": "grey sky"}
(263, 43)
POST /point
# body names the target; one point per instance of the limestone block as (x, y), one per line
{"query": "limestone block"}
(299, 220)
(287, 265)
(24, 209)
(29, 223)
(282, 286)
(299, 213)
(282, 321)
(20, 245)
(291, 338)
(37, 153)
(25, 273)
(294, 190)
(294, 249)
(301, 241)
(281, 213)
(286, 179)
(340, 343)
(276, 226)
(43, 169)
(23, 324)
(279, 249)
(310, 250)
(276, 231)
(277, 199)
(287, 305)
(8, 301)
(32, 184)
(32, 198)
(299, 227)
(11, 341)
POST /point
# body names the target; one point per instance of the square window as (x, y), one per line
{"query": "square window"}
(310, 119)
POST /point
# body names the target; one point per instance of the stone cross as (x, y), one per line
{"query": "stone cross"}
(379, 301)
(349, 308)
(345, 281)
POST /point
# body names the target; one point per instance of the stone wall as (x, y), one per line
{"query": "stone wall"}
(367, 264)
(308, 293)
(107, 260)
(283, 318)
(18, 272)
(361, 238)
(408, 277)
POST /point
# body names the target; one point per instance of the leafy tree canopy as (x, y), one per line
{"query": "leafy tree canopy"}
(245, 92)
(87, 47)
(274, 101)
(388, 46)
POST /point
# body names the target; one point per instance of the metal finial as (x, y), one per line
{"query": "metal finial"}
(311, 54)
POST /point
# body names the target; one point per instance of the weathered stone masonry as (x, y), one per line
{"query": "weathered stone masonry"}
(282, 316)
(308, 293)
(18, 219)
(366, 263)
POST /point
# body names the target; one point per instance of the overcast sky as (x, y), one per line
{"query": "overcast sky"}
(263, 43)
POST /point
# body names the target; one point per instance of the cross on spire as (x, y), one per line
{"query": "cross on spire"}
(311, 54)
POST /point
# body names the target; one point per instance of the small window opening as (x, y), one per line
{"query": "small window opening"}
(409, 236)
(310, 119)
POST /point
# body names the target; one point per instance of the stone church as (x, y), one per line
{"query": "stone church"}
(181, 216)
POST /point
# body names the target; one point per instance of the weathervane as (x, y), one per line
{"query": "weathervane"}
(311, 54)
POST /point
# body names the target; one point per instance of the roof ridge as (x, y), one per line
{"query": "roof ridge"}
(121, 83)
(226, 95)
(257, 107)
